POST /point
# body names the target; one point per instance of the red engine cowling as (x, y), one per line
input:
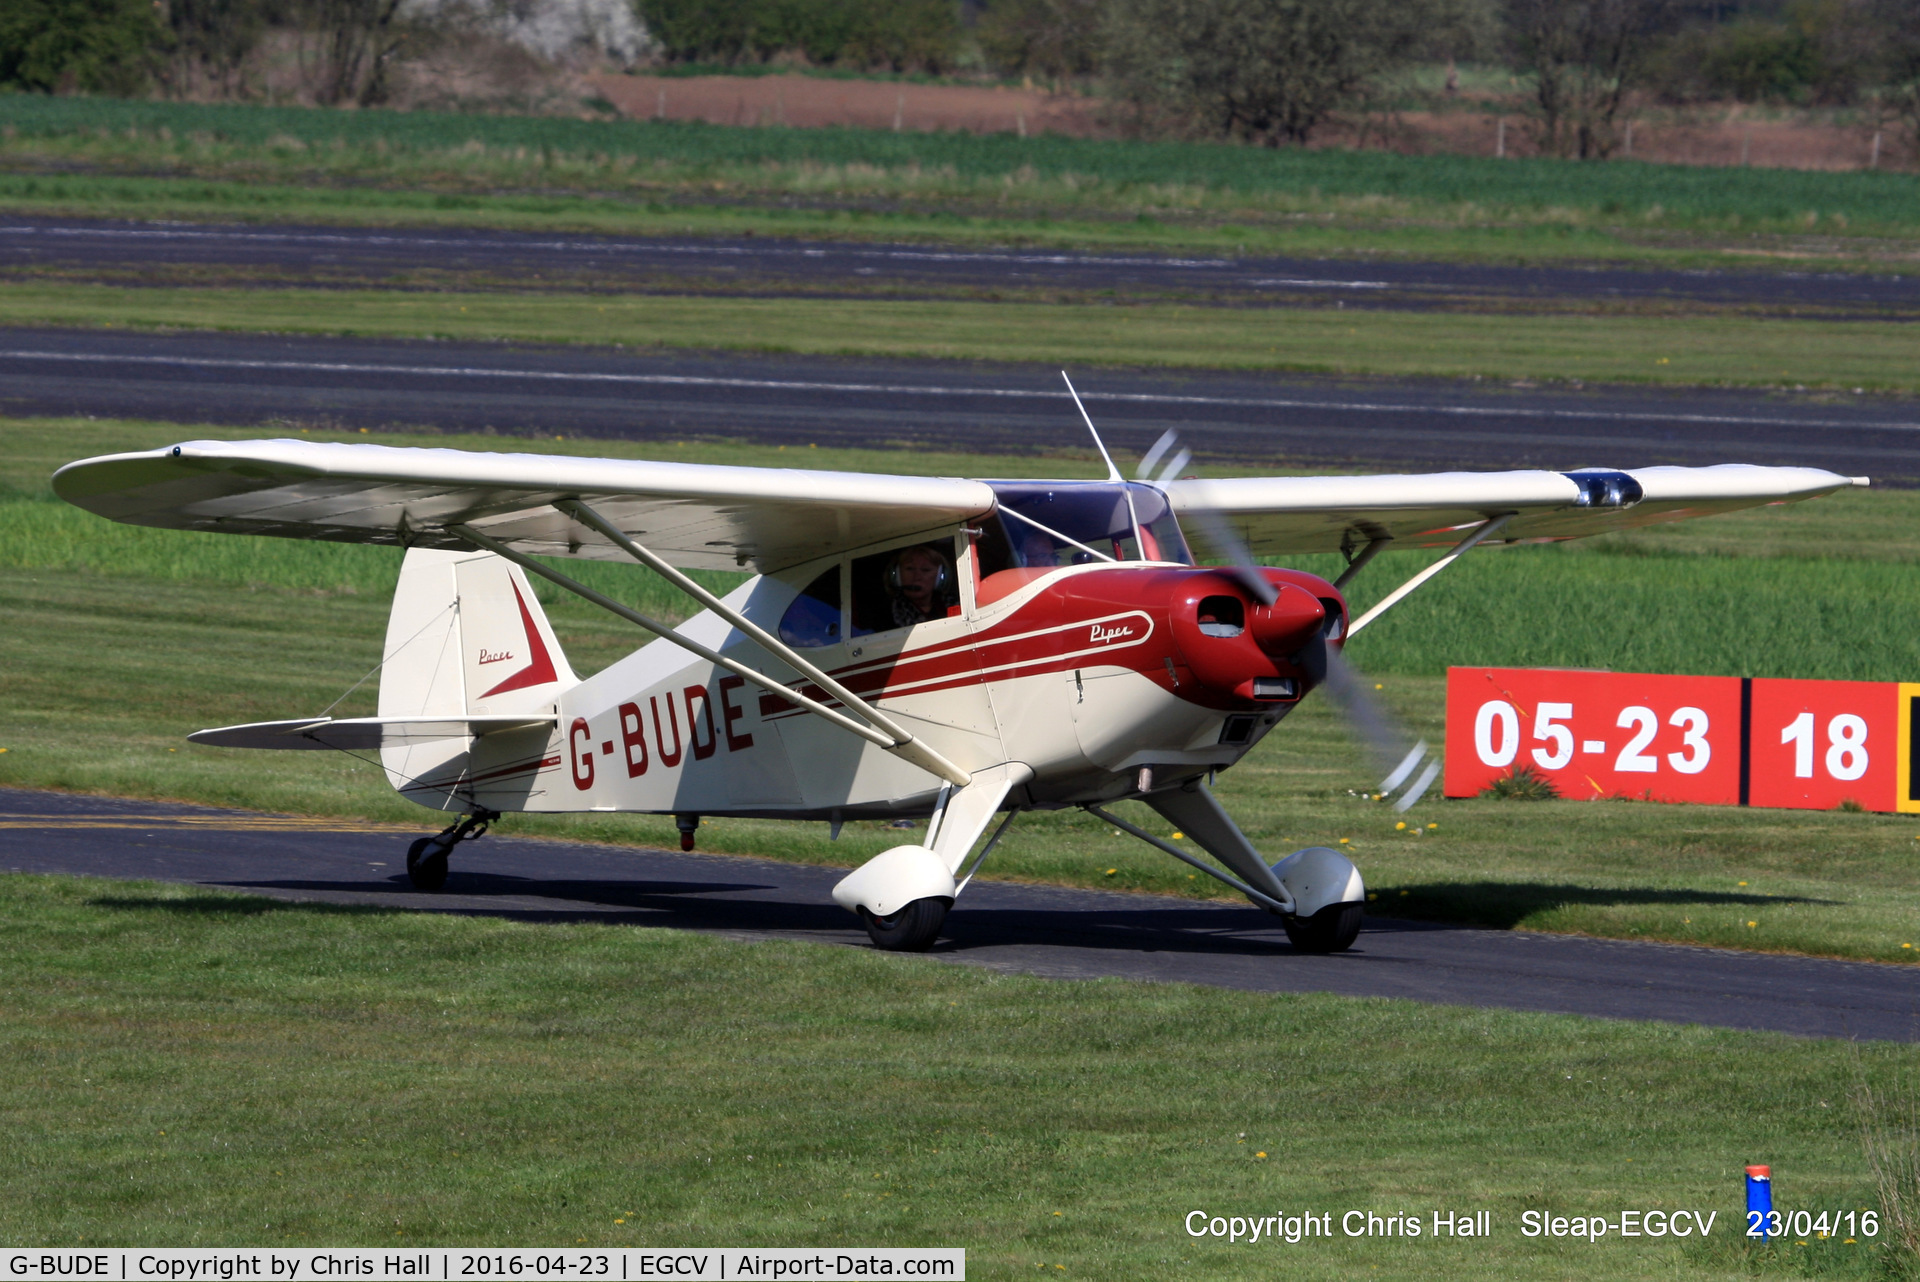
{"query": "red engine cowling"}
(1239, 648)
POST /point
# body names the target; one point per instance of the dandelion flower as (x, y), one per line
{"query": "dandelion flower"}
(1401, 826)
(1112, 871)
(1260, 1154)
(1752, 924)
(1178, 835)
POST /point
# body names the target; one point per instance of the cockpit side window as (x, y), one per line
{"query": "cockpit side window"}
(904, 586)
(814, 617)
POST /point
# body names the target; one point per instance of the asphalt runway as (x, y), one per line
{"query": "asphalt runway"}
(1048, 931)
(280, 383)
(373, 253)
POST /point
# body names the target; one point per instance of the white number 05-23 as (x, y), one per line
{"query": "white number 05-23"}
(1496, 737)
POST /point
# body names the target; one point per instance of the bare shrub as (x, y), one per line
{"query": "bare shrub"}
(1587, 56)
(1267, 71)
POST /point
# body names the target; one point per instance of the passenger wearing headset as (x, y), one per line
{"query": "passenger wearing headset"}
(920, 583)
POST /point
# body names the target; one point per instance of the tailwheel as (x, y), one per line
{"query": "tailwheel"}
(911, 930)
(427, 864)
(427, 857)
(1331, 930)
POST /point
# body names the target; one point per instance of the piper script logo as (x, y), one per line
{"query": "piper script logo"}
(1101, 636)
(491, 656)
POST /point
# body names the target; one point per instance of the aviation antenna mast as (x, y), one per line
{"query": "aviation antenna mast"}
(1113, 473)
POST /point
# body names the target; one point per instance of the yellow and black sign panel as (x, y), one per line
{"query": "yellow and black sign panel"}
(1907, 795)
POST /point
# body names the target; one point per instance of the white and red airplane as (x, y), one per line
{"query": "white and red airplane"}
(908, 646)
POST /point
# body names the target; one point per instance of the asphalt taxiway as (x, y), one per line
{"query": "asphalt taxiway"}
(281, 383)
(292, 252)
(1048, 931)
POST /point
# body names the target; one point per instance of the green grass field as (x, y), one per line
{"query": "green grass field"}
(186, 630)
(145, 159)
(188, 1068)
(1681, 351)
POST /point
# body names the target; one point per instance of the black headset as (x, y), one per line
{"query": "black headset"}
(940, 584)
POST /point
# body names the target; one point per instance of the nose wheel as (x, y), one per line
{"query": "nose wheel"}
(427, 857)
(910, 930)
(1331, 930)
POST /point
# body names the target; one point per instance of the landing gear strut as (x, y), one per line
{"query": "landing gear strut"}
(427, 857)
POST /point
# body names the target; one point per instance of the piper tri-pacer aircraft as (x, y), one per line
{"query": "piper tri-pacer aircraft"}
(908, 646)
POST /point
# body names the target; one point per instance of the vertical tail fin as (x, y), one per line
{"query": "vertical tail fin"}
(466, 636)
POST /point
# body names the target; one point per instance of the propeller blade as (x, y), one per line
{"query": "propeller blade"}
(1168, 439)
(1219, 533)
(1383, 737)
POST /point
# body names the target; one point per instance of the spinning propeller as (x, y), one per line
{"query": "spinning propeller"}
(1409, 765)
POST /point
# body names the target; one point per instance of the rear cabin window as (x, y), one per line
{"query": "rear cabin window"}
(902, 587)
(814, 617)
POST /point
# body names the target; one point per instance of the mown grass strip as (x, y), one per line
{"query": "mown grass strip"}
(1651, 350)
(189, 1068)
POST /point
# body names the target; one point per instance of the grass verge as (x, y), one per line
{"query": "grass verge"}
(145, 159)
(190, 1068)
(183, 630)
(1622, 349)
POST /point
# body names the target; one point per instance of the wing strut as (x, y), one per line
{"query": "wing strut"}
(889, 734)
(1400, 593)
(1359, 561)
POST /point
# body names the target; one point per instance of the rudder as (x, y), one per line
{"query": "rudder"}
(466, 636)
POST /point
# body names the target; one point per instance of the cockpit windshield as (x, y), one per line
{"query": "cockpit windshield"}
(1048, 524)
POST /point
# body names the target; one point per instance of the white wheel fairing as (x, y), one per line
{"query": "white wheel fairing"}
(893, 879)
(1318, 877)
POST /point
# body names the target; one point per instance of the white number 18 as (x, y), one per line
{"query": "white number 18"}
(1846, 746)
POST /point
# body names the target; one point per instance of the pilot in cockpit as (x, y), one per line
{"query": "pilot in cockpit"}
(1038, 551)
(920, 583)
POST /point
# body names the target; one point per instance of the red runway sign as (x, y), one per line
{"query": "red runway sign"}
(1717, 740)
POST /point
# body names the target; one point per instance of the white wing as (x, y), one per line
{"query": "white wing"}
(693, 515)
(1278, 515)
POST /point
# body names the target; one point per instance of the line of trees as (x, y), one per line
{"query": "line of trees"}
(1266, 71)
(333, 51)
(1273, 71)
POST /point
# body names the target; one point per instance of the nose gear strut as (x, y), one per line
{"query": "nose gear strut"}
(427, 857)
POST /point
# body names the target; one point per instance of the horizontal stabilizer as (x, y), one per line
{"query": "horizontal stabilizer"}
(363, 733)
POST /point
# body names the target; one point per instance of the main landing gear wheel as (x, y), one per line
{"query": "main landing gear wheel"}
(911, 930)
(1331, 930)
(427, 864)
